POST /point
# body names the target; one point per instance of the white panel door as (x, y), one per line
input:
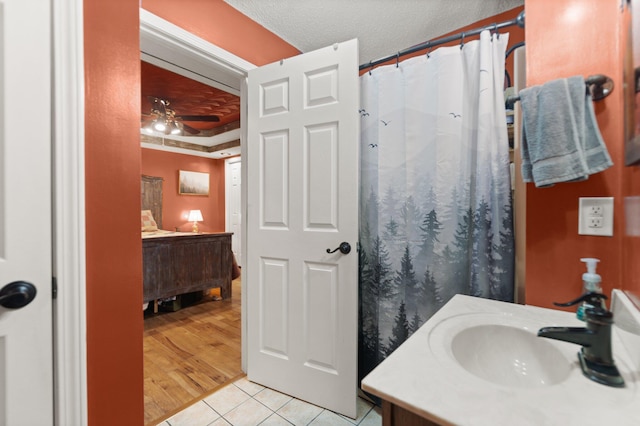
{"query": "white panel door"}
(233, 178)
(26, 357)
(302, 199)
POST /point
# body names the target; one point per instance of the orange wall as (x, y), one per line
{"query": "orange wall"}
(564, 39)
(221, 24)
(112, 176)
(175, 207)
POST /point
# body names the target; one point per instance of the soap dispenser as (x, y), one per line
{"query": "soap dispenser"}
(590, 284)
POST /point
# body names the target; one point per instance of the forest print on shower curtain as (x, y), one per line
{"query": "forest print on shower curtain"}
(435, 196)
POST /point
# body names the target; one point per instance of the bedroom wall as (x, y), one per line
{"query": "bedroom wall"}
(175, 207)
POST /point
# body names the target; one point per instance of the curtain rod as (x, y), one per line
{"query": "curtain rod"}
(519, 21)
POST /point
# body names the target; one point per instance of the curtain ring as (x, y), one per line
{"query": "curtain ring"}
(397, 59)
(495, 31)
(429, 49)
(370, 66)
(462, 41)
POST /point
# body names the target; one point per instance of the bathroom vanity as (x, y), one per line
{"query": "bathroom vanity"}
(480, 362)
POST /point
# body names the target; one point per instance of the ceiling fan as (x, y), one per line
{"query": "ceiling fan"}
(164, 119)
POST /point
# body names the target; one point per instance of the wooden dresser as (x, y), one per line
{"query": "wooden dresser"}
(181, 264)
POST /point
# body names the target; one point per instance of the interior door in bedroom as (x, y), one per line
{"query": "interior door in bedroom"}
(26, 354)
(302, 199)
(233, 202)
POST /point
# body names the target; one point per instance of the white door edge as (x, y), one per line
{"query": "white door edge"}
(228, 201)
(70, 368)
(244, 327)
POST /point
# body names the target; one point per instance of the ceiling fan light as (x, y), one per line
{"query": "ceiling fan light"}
(159, 126)
(172, 127)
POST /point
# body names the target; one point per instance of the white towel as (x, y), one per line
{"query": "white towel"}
(561, 141)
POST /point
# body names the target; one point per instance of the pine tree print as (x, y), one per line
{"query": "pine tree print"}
(406, 281)
(400, 331)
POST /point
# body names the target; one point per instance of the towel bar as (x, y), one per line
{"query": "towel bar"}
(598, 85)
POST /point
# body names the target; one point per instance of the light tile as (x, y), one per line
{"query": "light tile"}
(329, 418)
(248, 387)
(275, 420)
(226, 399)
(163, 424)
(373, 417)
(299, 413)
(272, 399)
(362, 409)
(249, 413)
(220, 422)
(198, 414)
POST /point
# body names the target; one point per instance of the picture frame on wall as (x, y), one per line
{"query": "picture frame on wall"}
(193, 183)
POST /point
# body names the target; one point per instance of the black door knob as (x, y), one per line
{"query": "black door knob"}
(17, 294)
(344, 248)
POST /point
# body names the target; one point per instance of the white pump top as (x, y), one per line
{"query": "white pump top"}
(590, 278)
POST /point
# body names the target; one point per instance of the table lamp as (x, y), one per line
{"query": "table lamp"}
(195, 216)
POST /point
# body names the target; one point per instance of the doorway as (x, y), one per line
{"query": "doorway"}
(170, 47)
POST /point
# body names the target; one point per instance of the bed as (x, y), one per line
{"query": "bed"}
(175, 263)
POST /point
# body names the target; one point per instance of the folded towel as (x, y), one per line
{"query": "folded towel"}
(561, 141)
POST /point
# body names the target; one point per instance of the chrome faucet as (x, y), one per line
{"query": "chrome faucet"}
(595, 356)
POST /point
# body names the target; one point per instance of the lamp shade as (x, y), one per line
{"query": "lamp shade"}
(195, 215)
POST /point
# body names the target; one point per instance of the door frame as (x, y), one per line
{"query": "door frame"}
(168, 46)
(68, 224)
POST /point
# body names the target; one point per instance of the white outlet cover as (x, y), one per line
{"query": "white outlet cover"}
(585, 216)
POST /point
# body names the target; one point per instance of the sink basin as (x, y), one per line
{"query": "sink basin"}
(509, 356)
(503, 349)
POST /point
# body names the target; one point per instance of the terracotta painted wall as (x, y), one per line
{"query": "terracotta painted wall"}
(564, 39)
(221, 24)
(112, 176)
(113, 169)
(175, 207)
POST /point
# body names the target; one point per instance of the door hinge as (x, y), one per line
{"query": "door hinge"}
(54, 288)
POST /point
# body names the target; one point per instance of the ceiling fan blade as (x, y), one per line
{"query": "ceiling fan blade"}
(213, 118)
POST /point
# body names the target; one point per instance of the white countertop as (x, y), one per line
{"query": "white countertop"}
(422, 377)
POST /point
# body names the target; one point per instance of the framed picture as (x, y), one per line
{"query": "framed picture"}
(193, 183)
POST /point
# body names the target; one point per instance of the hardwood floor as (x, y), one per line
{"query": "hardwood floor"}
(189, 354)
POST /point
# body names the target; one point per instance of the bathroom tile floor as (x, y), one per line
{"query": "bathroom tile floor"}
(243, 403)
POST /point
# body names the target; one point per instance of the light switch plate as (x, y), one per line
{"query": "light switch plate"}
(595, 216)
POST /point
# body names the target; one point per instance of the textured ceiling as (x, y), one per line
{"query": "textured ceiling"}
(382, 27)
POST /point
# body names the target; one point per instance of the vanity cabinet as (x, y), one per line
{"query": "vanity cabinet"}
(394, 415)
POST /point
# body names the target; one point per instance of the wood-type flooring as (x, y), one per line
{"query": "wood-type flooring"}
(190, 353)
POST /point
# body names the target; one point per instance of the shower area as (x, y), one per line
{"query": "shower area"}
(436, 213)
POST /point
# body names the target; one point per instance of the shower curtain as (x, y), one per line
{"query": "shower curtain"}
(435, 195)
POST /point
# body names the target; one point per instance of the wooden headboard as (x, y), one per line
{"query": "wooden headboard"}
(151, 196)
